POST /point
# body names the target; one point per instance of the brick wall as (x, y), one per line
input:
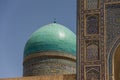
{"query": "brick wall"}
(55, 77)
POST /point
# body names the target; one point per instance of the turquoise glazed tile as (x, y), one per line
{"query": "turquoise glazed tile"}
(51, 37)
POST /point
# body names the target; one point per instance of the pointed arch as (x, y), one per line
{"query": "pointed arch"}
(111, 57)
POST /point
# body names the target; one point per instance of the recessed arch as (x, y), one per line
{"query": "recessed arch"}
(116, 64)
(111, 59)
(92, 52)
(93, 74)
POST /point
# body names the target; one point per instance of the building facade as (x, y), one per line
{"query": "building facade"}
(98, 46)
(98, 38)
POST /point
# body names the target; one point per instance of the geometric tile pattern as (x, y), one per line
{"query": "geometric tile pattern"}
(112, 24)
(112, 32)
(92, 51)
(93, 73)
(92, 4)
(92, 24)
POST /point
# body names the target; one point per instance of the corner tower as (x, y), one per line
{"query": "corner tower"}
(51, 50)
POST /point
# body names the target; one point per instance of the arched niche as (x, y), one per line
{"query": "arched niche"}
(92, 52)
(116, 65)
(93, 75)
(114, 61)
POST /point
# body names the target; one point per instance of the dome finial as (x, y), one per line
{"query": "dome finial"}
(54, 20)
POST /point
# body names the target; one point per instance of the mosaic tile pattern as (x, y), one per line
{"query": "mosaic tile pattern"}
(113, 32)
(92, 4)
(92, 50)
(93, 73)
(92, 24)
(112, 24)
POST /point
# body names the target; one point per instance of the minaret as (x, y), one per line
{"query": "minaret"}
(91, 57)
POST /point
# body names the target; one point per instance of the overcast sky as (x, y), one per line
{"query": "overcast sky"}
(19, 19)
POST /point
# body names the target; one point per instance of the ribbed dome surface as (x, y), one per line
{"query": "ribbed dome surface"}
(51, 37)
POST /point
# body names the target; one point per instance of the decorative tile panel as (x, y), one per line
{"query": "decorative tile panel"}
(92, 50)
(112, 24)
(91, 28)
(92, 4)
(93, 73)
(92, 24)
(112, 17)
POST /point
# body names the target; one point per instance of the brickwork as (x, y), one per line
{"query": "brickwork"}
(91, 40)
(46, 64)
(55, 77)
(97, 20)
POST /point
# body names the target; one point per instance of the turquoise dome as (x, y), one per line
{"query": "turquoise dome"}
(51, 37)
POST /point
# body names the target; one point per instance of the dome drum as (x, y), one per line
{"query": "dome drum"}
(49, 64)
(51, 54)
